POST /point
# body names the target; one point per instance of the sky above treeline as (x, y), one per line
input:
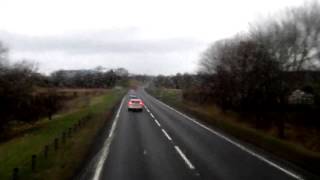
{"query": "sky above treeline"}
(143, 36)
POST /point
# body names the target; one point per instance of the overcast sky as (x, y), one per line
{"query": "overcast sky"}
(143, 36)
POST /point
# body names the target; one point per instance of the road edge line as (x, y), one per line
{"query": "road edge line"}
(106, 145)
(273, 164)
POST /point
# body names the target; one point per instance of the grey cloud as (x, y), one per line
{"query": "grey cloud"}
(98, 42)
(116, 48)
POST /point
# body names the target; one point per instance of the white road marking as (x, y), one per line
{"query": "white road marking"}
(286, 171)
(152, 115)
(106, 146)
(147, 108)
(166, 134)
(157, 123)
(183, 156)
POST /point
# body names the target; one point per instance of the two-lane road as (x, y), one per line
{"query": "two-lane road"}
(161, 143)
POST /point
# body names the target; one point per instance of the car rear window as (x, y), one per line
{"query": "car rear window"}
(133, 97)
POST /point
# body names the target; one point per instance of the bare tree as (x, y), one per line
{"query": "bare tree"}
(294, 38)
(250, 72)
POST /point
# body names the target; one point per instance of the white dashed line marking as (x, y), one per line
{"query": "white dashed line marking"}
(157, 122)
(152, 115)
(183, 156)
(166, 134)
(286, 171)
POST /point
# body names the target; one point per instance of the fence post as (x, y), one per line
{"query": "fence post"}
(33, 162)
(69, 132)
(46, 151)
(88, 116)
(56, 145)
(64, 137)
(15, 174)
(83, 120)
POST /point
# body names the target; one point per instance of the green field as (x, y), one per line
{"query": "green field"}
(17, 152)
(290, 151)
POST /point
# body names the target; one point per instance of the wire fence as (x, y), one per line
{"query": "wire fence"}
(44, 158)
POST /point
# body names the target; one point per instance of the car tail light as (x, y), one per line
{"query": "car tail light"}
(141, 103)
(129, 103)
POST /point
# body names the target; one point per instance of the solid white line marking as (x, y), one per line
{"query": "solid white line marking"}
(183, 156)
(157, 123)
(106, 146)
(166, 134)
(286, 171)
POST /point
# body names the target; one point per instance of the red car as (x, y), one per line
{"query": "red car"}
(135, 105)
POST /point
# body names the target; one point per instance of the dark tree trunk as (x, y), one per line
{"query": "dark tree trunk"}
(281, 127)
(50, 116)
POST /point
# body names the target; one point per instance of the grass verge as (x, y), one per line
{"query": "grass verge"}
(291, 152)
(60, 164)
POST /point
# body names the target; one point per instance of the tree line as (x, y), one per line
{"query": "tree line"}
(256, 72)
(27, 96)
(93, 78)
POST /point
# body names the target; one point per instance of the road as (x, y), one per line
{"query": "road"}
(163, 144)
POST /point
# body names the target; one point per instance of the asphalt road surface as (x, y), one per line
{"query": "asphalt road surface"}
(161, 143)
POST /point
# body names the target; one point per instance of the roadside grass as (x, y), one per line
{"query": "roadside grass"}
(17, 152)
(75, 99)
(295, 153)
